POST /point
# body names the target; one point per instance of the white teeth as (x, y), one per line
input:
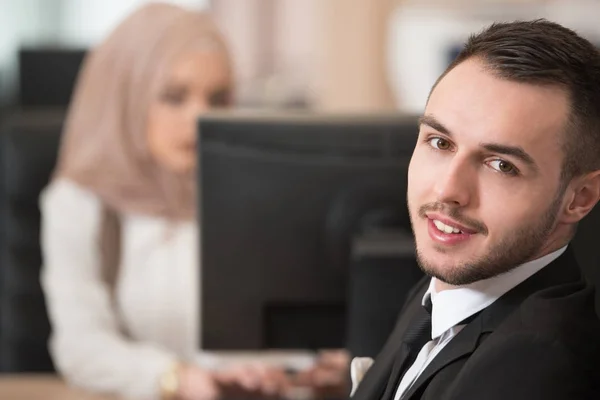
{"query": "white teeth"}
(445, 228)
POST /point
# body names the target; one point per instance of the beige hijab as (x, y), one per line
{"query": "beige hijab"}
(104, 146)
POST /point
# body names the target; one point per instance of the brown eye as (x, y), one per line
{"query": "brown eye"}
(504, 167)
(439, 143)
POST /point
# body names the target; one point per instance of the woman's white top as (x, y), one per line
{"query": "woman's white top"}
(156, 299)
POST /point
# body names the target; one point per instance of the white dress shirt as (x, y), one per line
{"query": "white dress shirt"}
(452, 306)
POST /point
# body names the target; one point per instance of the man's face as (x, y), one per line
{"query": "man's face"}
(484, 187)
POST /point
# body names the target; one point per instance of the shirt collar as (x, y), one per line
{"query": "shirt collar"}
(452, 306)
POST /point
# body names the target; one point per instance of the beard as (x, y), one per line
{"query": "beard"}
(505, 255)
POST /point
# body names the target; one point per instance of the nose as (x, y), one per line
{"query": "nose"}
(457, 184)
(194, 110)
(197, 108)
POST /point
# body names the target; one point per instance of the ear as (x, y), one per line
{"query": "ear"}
(584, 196)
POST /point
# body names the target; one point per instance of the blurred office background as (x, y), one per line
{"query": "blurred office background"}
(317, 54)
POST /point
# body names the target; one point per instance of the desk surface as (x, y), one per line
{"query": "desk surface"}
(41, 387)
(51, 387)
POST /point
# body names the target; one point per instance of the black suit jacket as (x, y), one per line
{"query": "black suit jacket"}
(541, 340)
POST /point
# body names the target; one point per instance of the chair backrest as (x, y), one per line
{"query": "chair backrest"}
(28, 150)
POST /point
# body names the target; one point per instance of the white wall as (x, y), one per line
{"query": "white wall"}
(86, 22)
(420, 37)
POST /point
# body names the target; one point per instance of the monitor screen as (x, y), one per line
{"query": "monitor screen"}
(281, 199)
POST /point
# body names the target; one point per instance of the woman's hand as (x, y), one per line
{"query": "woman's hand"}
(250, 381)
(196, 384)
(245, 381)
(329, 376)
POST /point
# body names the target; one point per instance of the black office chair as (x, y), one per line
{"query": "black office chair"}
(29, 143)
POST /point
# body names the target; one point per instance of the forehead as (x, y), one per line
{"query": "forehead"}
(477, 107)
(208, 68)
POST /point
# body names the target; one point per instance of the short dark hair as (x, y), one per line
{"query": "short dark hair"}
(541, 52)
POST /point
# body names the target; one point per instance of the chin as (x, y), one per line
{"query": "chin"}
(444, 263)
(438, 263)
(443, 270)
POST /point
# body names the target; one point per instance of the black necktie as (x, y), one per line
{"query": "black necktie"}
(419, 332)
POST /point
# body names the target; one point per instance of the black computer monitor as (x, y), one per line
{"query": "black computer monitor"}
(280, 200)
(47, 76)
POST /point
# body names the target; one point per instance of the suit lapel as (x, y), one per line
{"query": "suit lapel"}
(461, 346)
(402, 358)
(377, 379)
(400, 365)
(562, 270)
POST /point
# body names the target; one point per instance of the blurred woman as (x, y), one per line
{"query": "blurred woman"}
(119, 234)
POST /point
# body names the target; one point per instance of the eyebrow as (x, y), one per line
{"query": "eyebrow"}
(513, 151)
(432, 122)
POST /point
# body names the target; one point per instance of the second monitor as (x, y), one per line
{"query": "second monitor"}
(281, 200)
